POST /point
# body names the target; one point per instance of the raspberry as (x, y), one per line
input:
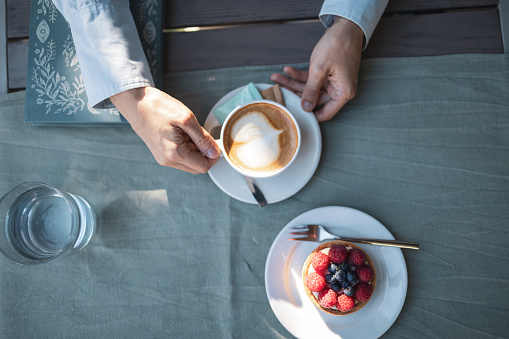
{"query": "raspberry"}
(356, 257)
(320, 262)
(365, 273)
(315, 282)
(327, 298)
(338, 254)
(362, 292)
(345, 303)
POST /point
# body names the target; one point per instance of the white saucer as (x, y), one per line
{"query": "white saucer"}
(291, 305)
(293, 178)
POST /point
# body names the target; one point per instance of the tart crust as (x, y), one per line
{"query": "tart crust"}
(310, 294)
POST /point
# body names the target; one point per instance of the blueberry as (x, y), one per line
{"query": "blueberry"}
(333, 268)
(340, 275)
(349, 291)
(345, 284)
(336, 287)
(351, 276)
(331, 278)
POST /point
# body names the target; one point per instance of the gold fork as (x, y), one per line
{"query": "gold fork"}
(318, 233)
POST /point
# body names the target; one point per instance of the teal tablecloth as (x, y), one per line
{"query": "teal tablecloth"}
(424, 148)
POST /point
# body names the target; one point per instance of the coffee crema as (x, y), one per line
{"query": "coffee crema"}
(260, 138)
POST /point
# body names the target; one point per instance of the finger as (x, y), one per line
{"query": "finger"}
(329, 110)
(324, 98)
(312, 90)
(288, 82)
(184, 155)
(297, 74)
(200, 137)
(163, 159)
(195, 160)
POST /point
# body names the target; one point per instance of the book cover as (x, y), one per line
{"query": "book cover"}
(55, 93)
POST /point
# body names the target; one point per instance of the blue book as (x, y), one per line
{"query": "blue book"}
(55, 93)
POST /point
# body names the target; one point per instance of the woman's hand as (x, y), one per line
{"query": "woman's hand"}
(168, 128)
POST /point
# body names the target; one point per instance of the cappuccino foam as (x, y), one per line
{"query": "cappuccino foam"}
(258, 144)
(260, 138)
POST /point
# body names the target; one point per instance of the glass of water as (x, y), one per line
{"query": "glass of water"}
(39, 223)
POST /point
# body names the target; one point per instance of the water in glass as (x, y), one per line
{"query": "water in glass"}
(41, 222)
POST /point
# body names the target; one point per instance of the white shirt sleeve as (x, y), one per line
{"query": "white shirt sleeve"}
(365, 13)
(109, 49)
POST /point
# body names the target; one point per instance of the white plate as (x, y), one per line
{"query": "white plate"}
(293, 178)
(291, 305)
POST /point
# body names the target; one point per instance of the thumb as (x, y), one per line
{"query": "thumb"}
(311, 93)
(202, 139)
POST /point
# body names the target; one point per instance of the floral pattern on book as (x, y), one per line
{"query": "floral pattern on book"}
(55, 91)
(71, 58)
(47, 8)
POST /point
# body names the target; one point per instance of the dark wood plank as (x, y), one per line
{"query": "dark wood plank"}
(185, 13)
(241, 46)
(418, 6)
(437, 34)
(18, 18)
(396, 36)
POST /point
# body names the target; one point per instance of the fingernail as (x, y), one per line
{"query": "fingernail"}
(307, 106)
(212, 153)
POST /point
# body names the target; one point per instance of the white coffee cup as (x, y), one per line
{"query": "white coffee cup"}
(260, 139)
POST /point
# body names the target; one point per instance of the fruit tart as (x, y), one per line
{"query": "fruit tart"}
(339, 277)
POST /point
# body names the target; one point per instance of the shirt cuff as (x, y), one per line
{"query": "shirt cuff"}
(109, 50)
(365, 13)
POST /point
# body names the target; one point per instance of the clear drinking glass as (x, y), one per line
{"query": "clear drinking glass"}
(39, 223)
